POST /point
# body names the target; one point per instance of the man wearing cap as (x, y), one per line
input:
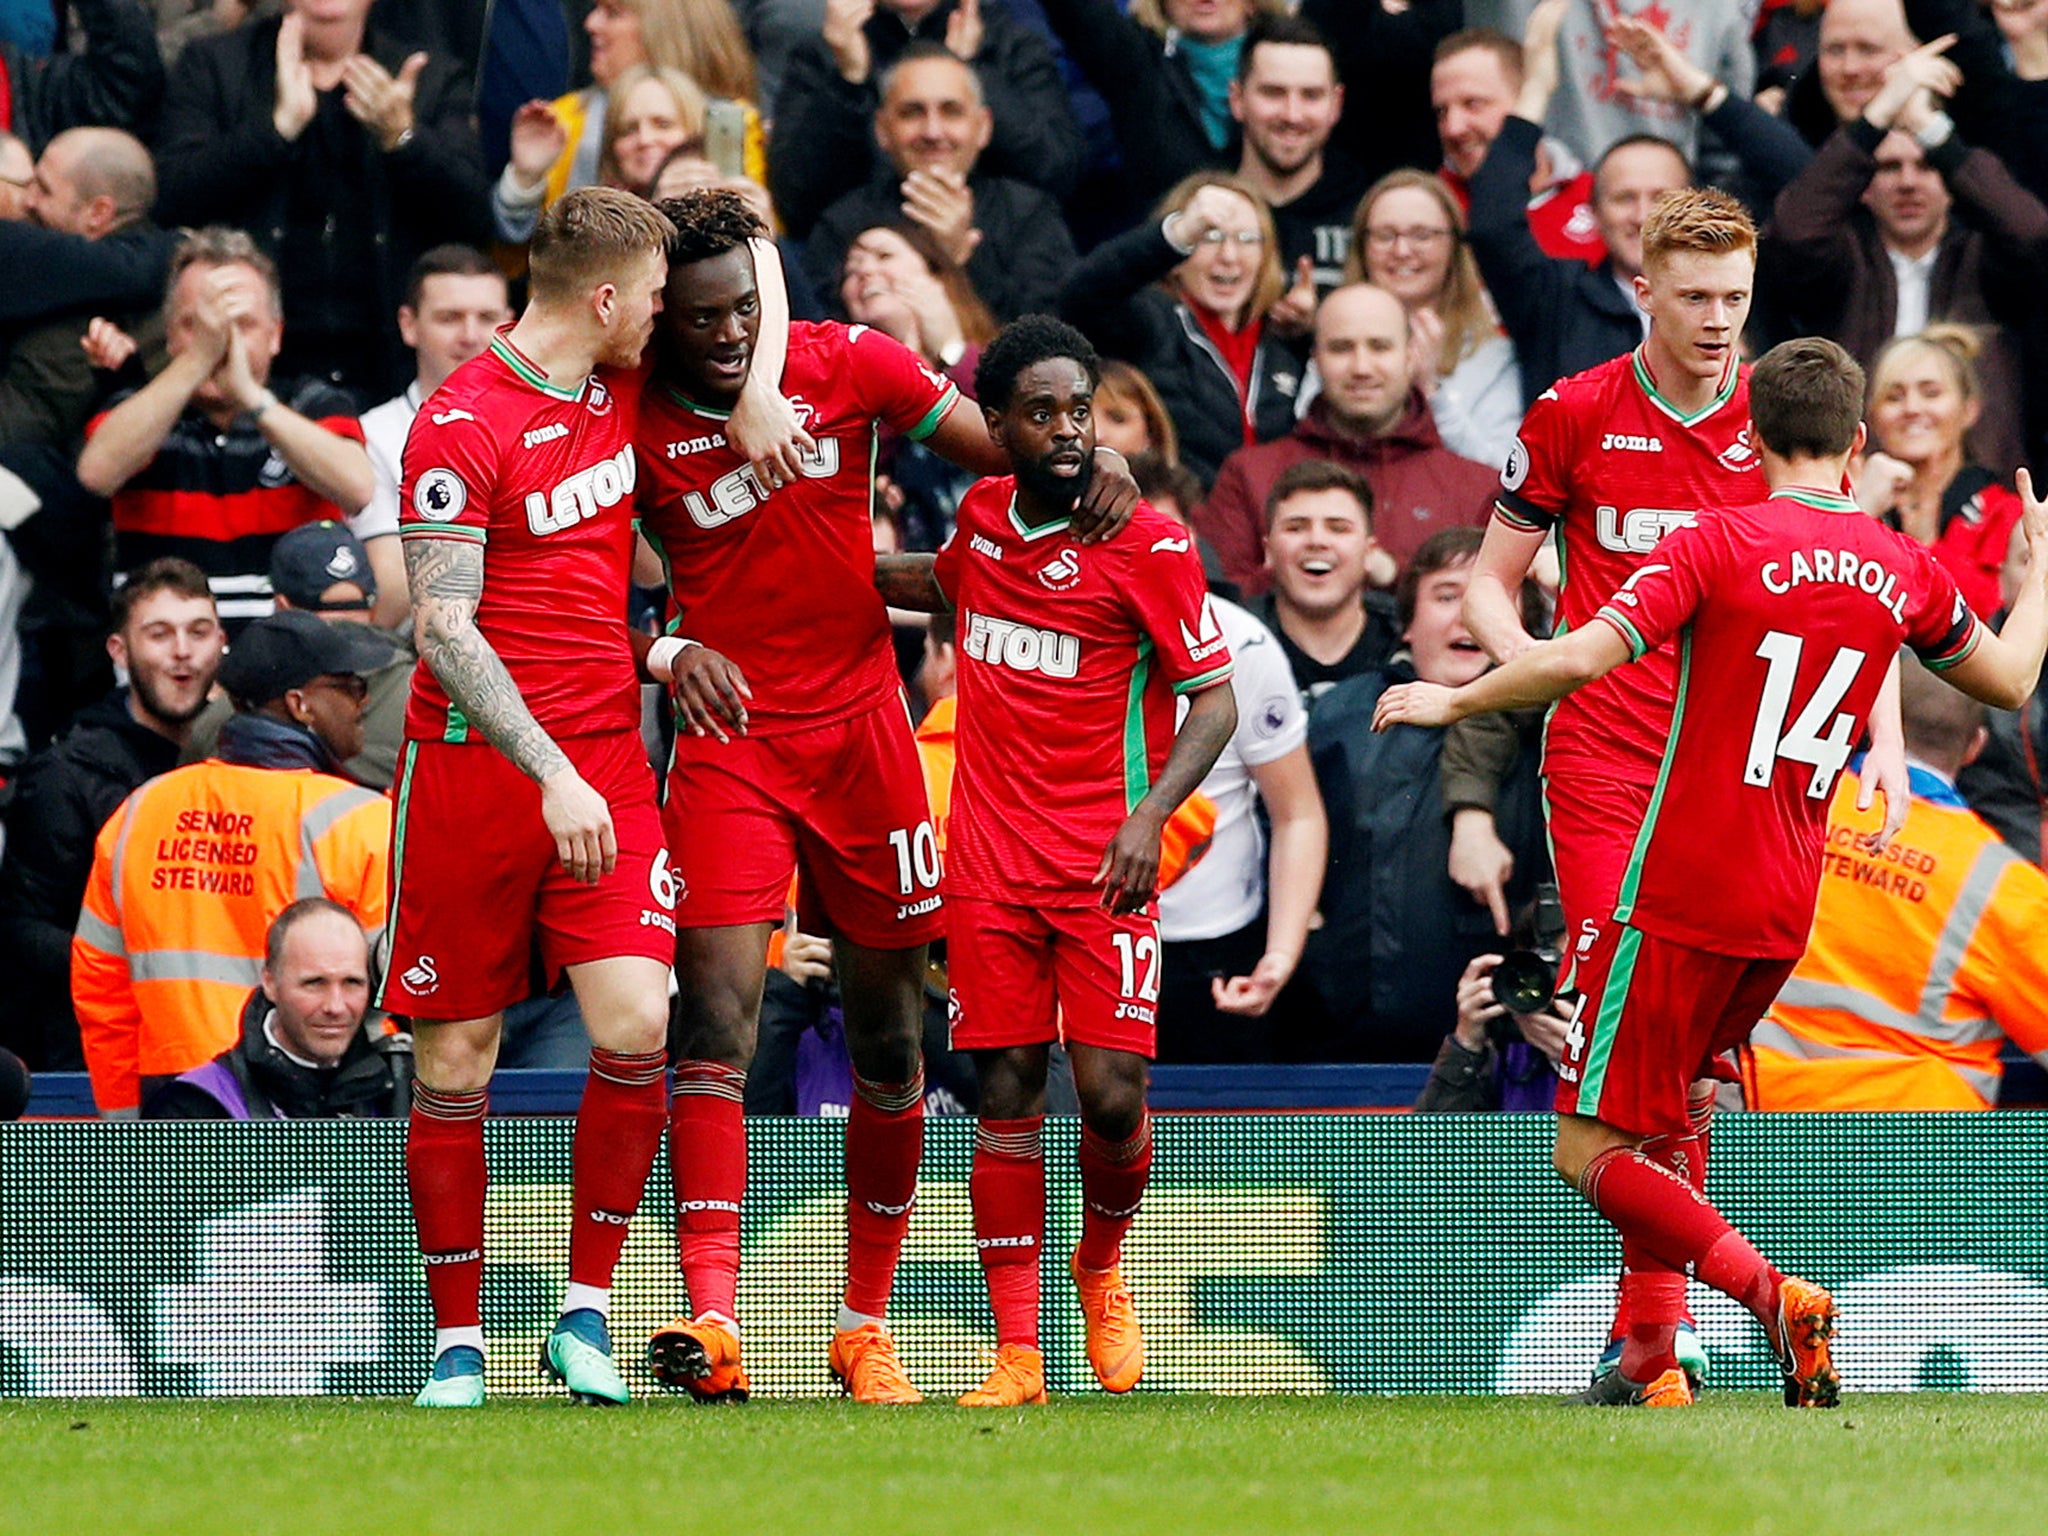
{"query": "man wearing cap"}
(323, 568)
(192, 869)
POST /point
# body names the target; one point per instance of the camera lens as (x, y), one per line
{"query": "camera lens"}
(1524, 982)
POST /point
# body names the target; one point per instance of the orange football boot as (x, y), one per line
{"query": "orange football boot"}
(1018, 1379)
(702, 1357)
(1670, 1390)
(1116, 1349)
(1806, 1326)
(864, 1359)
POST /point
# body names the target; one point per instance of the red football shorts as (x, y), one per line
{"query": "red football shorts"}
(841, 804)
(1655, 1015)
(474, 877)
(1593, 825)
(1033, 975)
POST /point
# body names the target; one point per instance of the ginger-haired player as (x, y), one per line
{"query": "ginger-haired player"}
(1612, 459)
(1785, 619)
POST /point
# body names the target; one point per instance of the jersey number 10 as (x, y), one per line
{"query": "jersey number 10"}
(1804, 742)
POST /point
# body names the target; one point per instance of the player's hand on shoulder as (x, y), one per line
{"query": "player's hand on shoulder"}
(710, 693)
(1110, 500)
(1414, 704)
(765, 428)
(1129, 872)
(581, 824)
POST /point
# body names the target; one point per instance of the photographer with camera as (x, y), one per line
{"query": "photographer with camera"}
(1504, 1050)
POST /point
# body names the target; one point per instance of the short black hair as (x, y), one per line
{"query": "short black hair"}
(166, 573)
(449, 260)
(1443, 550)
(1806, 398)
(1025, 341)
(1288, 30)
(709, 222)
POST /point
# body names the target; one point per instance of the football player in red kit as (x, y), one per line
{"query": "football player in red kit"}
(1613, 459)
(525, 803)
(1073, 663)
(1784, 618)
(794, 748)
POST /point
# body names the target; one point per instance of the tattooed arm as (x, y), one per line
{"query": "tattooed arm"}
(447, 580)
(906, 581)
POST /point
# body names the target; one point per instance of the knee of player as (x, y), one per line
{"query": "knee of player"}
(1113, 1109)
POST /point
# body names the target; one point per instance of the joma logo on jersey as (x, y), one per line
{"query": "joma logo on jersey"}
(1629, 442)
(1004, 643)
(737, 493)
(983, 546)
(1636, 531)
(546, 434)
(583, 495)
(696, 445)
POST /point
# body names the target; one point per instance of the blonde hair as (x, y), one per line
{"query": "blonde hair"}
(703, 39)
(1956, 346)
(1461, 303)
(1272, 277)
(1122, 382)
(1699, 219)
(1151, 14)
(687, 95)
(587, 237)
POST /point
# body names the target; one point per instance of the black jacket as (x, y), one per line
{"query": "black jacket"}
(52, 273)
(115, 81)
(221, 161)
(1154, 104)
(1396, 931)
(363, 1085)
(824, 140)
(1024, 256)
(1384, 61)
(1563, 316)
(1114, 297)
(55, 810)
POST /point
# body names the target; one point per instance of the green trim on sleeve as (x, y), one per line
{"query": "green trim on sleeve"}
(935, 415)
(1961, 654)
(1206, 680)
(460, 531)
(1637, 646)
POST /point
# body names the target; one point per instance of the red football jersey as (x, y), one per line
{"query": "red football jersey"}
(543, 479)
(785, 585)
(1786, 616)
(1070, 657)
(1606, 455)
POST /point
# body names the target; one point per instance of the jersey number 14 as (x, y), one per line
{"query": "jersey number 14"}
(1814, 739)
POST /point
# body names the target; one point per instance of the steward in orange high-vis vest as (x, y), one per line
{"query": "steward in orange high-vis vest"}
(192, 869)
(1924, 959)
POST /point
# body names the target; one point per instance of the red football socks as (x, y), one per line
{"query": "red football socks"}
(884, 1145)
(1654, 1301)
(1679, 1228)
(1113, 1179)
(707, 1149)
(618, 1136)
(1008, 1190)
(444, 1164)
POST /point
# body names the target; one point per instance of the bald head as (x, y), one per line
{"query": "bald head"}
(92, 181)
(1362, 354)
(1944, 728)
(1859, 40)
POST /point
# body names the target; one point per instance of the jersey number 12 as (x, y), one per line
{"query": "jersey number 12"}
(1804, 742)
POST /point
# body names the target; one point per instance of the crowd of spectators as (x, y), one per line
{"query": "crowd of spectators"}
(1332, 249)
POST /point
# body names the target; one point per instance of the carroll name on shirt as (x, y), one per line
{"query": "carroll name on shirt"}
(1842, 567)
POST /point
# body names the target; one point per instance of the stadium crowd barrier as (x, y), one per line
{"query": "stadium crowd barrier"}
(1298, 1253)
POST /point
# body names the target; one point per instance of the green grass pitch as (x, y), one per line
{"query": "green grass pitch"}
(1932, 1465)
